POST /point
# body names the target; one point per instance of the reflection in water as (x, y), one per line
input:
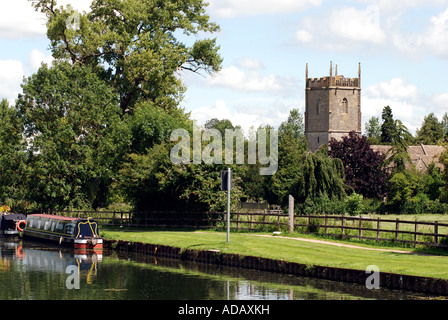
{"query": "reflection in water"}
(37, 271)
(32, 270)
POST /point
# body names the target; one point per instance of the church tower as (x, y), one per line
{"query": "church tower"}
(332, 107)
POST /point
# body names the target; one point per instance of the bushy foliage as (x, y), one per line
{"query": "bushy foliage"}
(153, 182)
(354, 204)
(362, 165)
(413, 192)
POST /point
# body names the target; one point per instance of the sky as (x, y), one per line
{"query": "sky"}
(402, 47)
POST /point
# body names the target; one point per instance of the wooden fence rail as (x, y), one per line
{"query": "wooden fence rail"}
(359, 227)
(378, 229)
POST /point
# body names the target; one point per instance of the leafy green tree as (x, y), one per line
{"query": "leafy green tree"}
(433, 182)
(150, 125)
(294, 124)
(257, 187)
(444, 124)
(112, 98)
(74, 141)
(136, 46)
(291, 152)
(404, 185)
(431, 131)
(373, 130)
(398, 155)
(291, 155)
(11, 158)
(220, 125)
(444, 161)
(388, 128)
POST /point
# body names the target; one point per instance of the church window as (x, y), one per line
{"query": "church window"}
(318, 106)
(345, 105)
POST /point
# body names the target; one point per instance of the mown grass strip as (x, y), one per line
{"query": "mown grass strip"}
(292, 250)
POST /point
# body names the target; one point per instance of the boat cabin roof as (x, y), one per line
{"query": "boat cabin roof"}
(51, 216)
(13, 216)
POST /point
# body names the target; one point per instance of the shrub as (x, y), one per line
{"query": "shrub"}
(355, 204)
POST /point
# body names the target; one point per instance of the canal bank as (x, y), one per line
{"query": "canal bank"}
(387, 280)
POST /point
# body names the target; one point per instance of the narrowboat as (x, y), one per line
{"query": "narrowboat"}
(12, 224)
(75, 232)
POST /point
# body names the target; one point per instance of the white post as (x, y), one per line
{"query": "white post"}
(229, 181)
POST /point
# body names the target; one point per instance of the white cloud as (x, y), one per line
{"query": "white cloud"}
(430, 41)
(37, 57)
(407, 104)
(13, 72)
(437, 33)
(273, 114)
(439, 102)
(220, 111)
(10, 79)
(242, 8)
(388, 6)
(19, 20)
(396, 89)
(342, 29)
(303, 36)
(382, 25)
(252, 81)
(251, 64)
(357, 25)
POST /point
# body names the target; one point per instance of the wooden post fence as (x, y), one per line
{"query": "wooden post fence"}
(379, 229)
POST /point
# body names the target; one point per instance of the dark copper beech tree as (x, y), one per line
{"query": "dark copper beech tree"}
(362, 165)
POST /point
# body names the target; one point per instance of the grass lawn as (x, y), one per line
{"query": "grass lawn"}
(309, 253)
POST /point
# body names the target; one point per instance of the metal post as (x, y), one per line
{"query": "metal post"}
(229, 182)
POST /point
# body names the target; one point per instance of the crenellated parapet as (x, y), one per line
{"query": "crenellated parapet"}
(335, 81)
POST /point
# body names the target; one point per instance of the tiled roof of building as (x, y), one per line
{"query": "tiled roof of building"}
(422, 156)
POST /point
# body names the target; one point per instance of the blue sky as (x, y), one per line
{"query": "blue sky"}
(402, 47)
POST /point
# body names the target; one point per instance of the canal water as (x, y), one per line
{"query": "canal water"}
(37, 271)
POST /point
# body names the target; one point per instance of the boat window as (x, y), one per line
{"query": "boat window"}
(60, 227)
(47, 225)
(53, 225)
(70, 228)
(39, 223)
(30, 222)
